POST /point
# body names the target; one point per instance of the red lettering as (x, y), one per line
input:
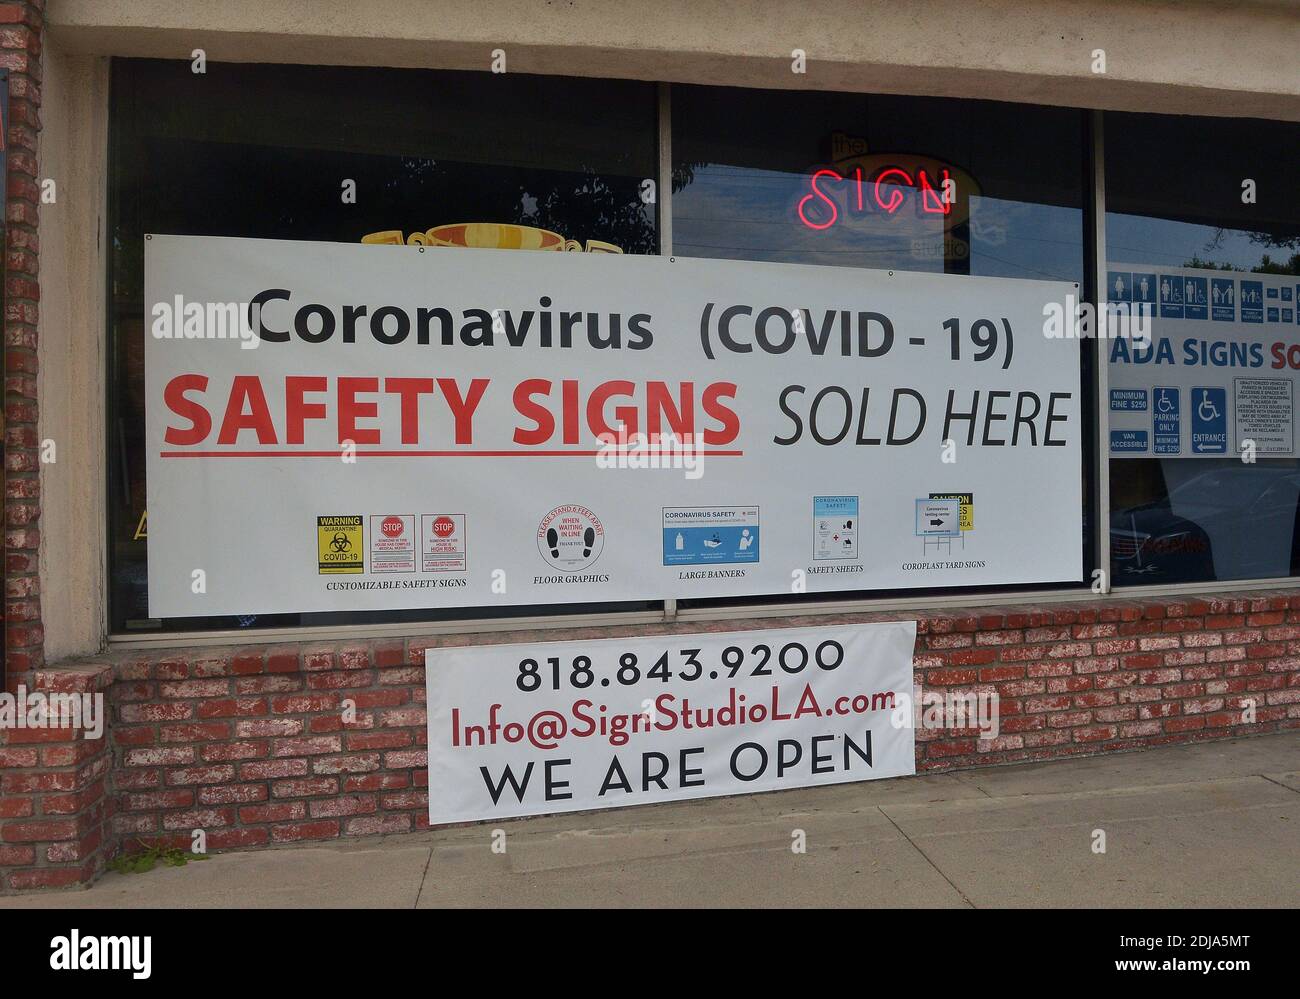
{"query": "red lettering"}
(569, 393)
(351, 410)
(724, 414)
(463, 409)
(297, 412)
(931, 201)
(409, 390)
(625, 415)
(895, 195)
(246, 388)
(659, 403)
(819, 193)
(530, 410)
(187, 409)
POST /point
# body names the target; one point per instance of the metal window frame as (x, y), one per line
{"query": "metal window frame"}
(1101, 590)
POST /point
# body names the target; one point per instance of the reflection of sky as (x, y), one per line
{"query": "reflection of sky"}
(750, 214)
(1136, 239)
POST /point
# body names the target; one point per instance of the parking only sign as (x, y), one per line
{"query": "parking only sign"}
(1166, 422)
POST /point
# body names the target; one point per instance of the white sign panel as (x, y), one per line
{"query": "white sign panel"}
(447, 427)
(564, 726)
(1219, 373)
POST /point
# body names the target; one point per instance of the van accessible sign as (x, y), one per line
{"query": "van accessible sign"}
(564, 726)
(340, 427)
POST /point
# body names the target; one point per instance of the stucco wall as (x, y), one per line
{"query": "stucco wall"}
(71, 383)
(1188, 57)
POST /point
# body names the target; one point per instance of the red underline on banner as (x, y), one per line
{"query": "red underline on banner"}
(435, 454)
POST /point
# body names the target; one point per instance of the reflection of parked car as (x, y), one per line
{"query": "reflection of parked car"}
(1224, 523)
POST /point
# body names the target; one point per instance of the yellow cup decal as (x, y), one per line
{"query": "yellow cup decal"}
(490, 236)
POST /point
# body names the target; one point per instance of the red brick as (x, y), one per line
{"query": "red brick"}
(324, 829)
(378, 740)
(304, 787)
(282, 811)
(38, 831)
(338, 807)
(271, 769)
(232, 794)
(379, 825)
(226, 839)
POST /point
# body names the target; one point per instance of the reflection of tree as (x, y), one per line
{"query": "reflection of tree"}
(1209, 265)
(1271, 240)
(1268, 265)
(684, 174)
(587, 207)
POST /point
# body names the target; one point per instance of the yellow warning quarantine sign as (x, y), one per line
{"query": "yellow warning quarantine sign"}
(966, 508)
(340, 546)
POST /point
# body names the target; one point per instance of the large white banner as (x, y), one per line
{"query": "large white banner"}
(406, 427)
(562, 726)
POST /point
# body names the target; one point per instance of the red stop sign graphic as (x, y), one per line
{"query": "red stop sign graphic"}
(392, 527)
(444, 527)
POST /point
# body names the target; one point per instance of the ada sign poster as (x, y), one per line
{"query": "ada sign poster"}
(336, 427)
(1222, 369)
(564, 726)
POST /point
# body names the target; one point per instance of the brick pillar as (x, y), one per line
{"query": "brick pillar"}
(21, 25)
(54, 803)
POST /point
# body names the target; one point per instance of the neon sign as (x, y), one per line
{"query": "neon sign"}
(857, 183)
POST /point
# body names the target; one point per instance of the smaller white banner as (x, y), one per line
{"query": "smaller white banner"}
(564, 726)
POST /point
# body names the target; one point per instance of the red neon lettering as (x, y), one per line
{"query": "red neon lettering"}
(819, 193)
(895, 195)
(931, 201)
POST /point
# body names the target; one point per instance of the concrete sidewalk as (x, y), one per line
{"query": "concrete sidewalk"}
(1215, 824)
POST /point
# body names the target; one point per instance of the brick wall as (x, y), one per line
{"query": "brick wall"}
(20, 53)
(250, 745)
(54, 792)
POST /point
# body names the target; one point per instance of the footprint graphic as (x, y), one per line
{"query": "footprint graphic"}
(588, 541)
(553, 541)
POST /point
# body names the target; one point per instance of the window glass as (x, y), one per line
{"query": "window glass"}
(858, 181)
(1203, 242)
(268, 151)
(853, 180)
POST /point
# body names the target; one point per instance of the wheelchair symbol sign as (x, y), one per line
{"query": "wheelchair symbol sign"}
(1166, 422)
(1209, 420)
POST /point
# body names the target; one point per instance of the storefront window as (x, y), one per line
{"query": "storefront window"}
(884, 182)
(473, 159)
(856, 180)
(1203, 240)
(349, 155)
